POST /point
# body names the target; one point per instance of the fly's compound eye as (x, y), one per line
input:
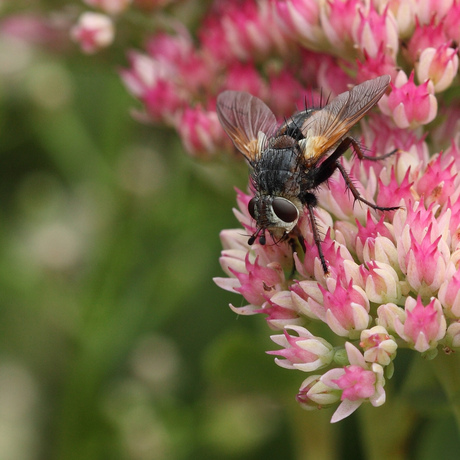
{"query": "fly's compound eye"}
(284, 209)
(251, 207)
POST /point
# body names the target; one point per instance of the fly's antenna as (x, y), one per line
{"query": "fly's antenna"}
(262, 239)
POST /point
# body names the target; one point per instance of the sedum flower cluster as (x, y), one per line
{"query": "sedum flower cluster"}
(393, 278)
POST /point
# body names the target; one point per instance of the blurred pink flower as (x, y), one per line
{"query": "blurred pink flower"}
(150, 81)
(404, 13)
(373, 66)
(200, 131)
(337, 16)
(432, 10)
(236, 30)
(375, 32)
(430, 35)
(93, 32)
(300, 20)
(440, 65)
(451, 21)
(36, 30)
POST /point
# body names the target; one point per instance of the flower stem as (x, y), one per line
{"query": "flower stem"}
(315, 436)
(385, 429)
(447, 371)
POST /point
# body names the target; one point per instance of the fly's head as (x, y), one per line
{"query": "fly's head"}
(275, 214)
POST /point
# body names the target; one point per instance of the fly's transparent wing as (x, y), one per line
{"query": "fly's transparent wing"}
(247, 120)
(327, 126)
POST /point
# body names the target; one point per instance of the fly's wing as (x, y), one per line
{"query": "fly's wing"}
(247, 121)
(327, 126)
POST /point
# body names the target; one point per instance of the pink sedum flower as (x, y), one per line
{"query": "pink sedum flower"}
(426, 263)
(240, 31)
(449, 295)
(439, 65)
(94, 31)
(375, 32)
(382, 282)
(185, 66)
(346, 309)
(300, 20)
(423, 252)
(314, 394)
(35, 29)
(440, 181)
(150, 81)
(304, 352)
(423, 326)
(450, 22)
(372, 66)
(387, 314)
(359, 382)
(245, 77)
(410, 105)
(453, 335)
(432, 10)
(280, 312)
(379, 346)
(257, 283)
(430, 35)
(200, 131)
(404, 13)
(336, 18)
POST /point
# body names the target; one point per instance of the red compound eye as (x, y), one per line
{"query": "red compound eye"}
(251, 207)
(285, 209)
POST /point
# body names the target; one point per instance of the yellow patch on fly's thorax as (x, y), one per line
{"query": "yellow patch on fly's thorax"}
(313, 147)
(251, 148)
(255, 146)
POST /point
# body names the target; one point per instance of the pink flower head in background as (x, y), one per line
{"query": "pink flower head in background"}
(94, 31)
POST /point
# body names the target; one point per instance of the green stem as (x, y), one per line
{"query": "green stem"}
(447, 371)
(385, 429)
(315, 437)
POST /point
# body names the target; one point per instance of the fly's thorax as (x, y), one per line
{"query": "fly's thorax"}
(282, 153)
(279, 171)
